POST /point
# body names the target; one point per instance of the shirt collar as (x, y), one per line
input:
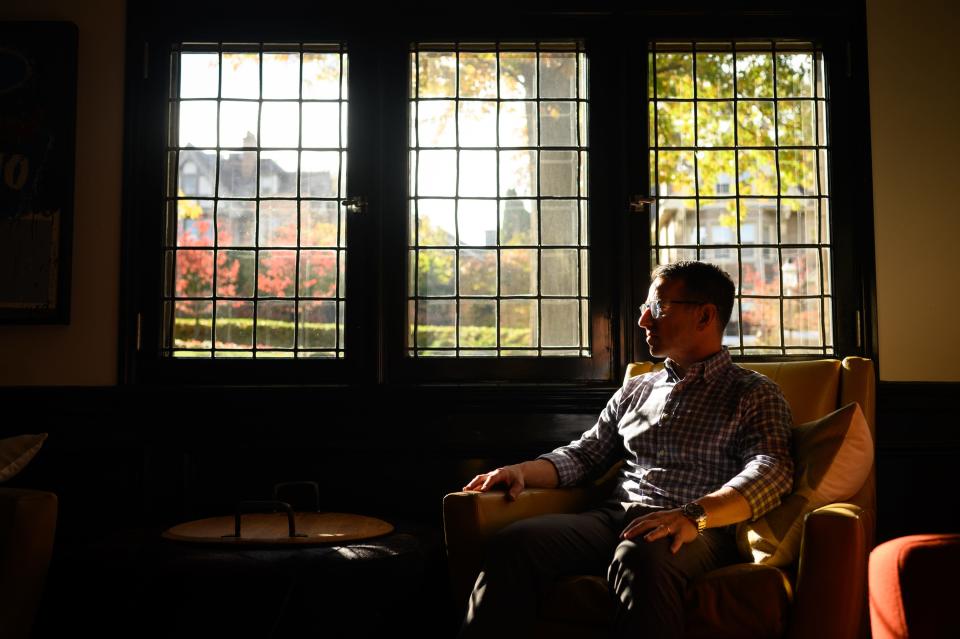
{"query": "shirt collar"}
(708, 368)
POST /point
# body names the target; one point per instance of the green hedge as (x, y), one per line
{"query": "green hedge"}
(237, 330)
(471, 336)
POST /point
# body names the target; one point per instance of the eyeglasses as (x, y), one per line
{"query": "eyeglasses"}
(656, 306)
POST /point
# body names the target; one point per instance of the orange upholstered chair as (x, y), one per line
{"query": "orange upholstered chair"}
(913, 587)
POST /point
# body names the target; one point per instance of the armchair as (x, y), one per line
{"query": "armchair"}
(28, 520)
(822, 596)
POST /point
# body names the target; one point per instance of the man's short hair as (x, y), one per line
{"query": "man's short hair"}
(702, 282)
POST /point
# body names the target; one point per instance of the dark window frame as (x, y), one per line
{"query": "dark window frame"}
(617, 45)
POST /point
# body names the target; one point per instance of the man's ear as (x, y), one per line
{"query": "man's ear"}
(707, 314)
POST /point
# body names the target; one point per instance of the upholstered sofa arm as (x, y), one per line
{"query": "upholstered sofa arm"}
(830, 598)
(28, 520)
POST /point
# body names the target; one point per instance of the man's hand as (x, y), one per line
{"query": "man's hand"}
(512, 476)
(666, 523)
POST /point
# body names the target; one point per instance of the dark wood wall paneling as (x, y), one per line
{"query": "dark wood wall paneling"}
(151, 456)
(918, 453)
(128, 456)
(126, 463)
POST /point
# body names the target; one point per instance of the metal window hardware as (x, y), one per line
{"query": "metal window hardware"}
(355, 204)
(639, 203)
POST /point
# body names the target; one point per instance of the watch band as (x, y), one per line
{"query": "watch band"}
(696, 514)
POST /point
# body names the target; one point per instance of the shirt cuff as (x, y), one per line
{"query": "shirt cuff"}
(762, 494)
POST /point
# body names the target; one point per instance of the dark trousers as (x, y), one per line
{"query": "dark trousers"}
(645, 579)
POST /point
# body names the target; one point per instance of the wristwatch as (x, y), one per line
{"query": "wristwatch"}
(695, 513)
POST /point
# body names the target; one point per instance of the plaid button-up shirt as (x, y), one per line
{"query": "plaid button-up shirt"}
(720, 425)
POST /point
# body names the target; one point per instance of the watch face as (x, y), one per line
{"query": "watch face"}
(693, 510)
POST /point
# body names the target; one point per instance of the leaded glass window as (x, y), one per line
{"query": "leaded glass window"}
(498, 210)
(738, 170)
(254, 232)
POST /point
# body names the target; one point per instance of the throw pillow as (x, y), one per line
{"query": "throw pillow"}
(832, 458)
(16, 453)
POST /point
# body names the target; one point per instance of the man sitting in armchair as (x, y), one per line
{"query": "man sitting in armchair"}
(706, 444)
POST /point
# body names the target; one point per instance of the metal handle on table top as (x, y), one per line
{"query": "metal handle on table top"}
(272, 505)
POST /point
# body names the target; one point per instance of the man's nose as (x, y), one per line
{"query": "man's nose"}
(646, 318)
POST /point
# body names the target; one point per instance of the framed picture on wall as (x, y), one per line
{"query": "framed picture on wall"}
(38, 103)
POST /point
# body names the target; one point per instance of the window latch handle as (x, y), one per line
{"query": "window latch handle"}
(639, 203)
(355, 204)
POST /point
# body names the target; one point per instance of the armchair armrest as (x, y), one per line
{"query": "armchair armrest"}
(28, 521)
(470, 519)
(830, 596)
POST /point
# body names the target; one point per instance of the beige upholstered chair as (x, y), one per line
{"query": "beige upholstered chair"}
(823, 596)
